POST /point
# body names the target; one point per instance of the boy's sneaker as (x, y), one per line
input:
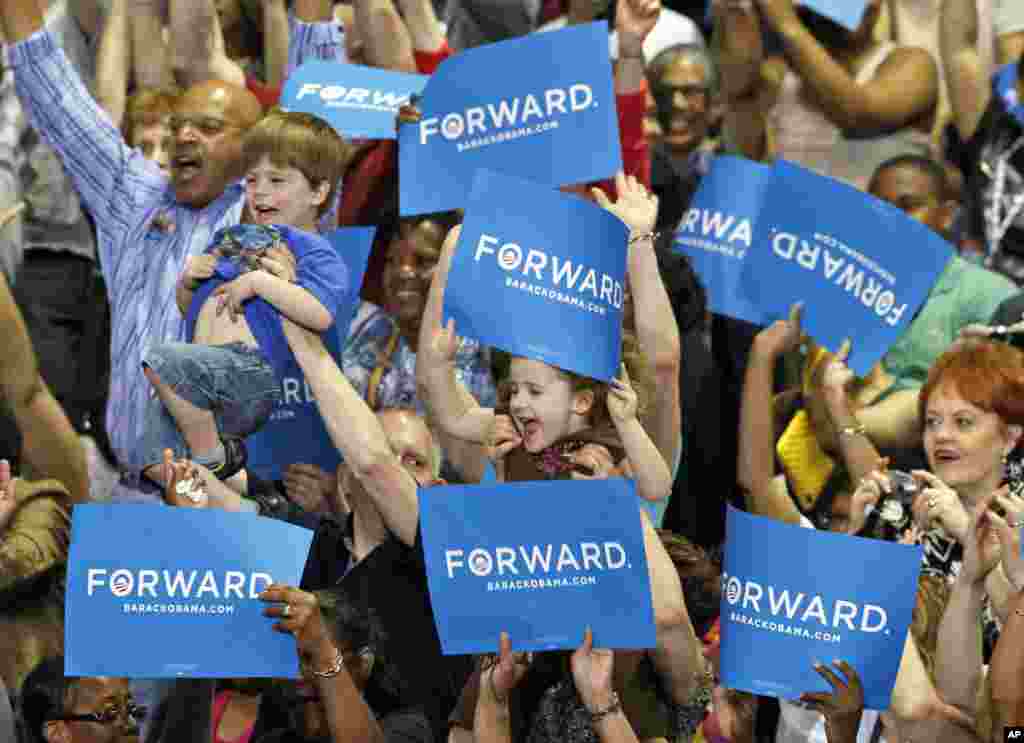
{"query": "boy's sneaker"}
(235, 457)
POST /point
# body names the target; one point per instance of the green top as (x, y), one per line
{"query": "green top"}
(964, 294)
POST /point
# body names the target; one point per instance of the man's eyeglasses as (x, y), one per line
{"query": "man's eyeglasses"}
(666, 93)
(108, 716)
(206, 125)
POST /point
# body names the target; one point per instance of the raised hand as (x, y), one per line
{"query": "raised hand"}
(185, 486)
(634, 20)
(497, 680)
(299, 615)
(782, 336)
(843, 706)
(635, 205)
(621, 399)
(981, 545)
(592, 673)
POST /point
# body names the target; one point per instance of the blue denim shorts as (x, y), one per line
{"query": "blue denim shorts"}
(234, 382)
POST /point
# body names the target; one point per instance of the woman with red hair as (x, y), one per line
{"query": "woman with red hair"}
(972, 411)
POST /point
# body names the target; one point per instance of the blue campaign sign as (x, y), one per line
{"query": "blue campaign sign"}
(781, 612)
(494, 566)
(540, 106)
(295, 432)
(847, 13)
(717, 232)
(158, 592)
(359, 102)
(861, 266)
(540, 274)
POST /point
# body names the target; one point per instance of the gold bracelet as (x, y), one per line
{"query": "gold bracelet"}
(334, 670)
(858, 430)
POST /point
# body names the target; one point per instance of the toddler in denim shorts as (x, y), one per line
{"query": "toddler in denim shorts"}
(210, 394)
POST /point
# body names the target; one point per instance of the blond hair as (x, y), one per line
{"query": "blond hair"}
(147, 107)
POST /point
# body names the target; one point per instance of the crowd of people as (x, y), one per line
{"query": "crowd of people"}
(162, 240)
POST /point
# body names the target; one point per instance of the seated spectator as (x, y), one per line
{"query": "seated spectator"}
(55, 708)
(840, 102)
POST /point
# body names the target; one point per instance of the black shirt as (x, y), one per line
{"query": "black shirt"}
(391, 581)
(997, 132)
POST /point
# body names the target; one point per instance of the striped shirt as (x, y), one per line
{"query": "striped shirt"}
(124, 192)
(141, 257)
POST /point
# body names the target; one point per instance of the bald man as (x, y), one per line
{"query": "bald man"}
(147, 224)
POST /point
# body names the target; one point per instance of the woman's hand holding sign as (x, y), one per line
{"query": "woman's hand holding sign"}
(499, 678)
(842, 707)
(592, 672)
(299, 615)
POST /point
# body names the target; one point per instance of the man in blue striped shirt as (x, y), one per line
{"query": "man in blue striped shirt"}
(146, 224)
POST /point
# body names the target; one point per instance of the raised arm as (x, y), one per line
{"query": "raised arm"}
(656, 326)
(198, 52)
(966, 74)
(385, 35)
(111, 180)
(423, 25)
(113, 61)
(357, 434)
(634, 21)
(905, 87)
(857, 449)
(151, 55)
(447, 403)
(740, 55)
(958, 657)
(756, 463)
(276, 40)
(349, 718)
(50, 446)
(678, 655)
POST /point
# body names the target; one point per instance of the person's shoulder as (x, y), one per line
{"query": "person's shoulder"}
(302, 242)
(981, 279)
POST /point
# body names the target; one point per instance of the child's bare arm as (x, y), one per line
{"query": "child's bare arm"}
(291, 300)
(653, 477)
